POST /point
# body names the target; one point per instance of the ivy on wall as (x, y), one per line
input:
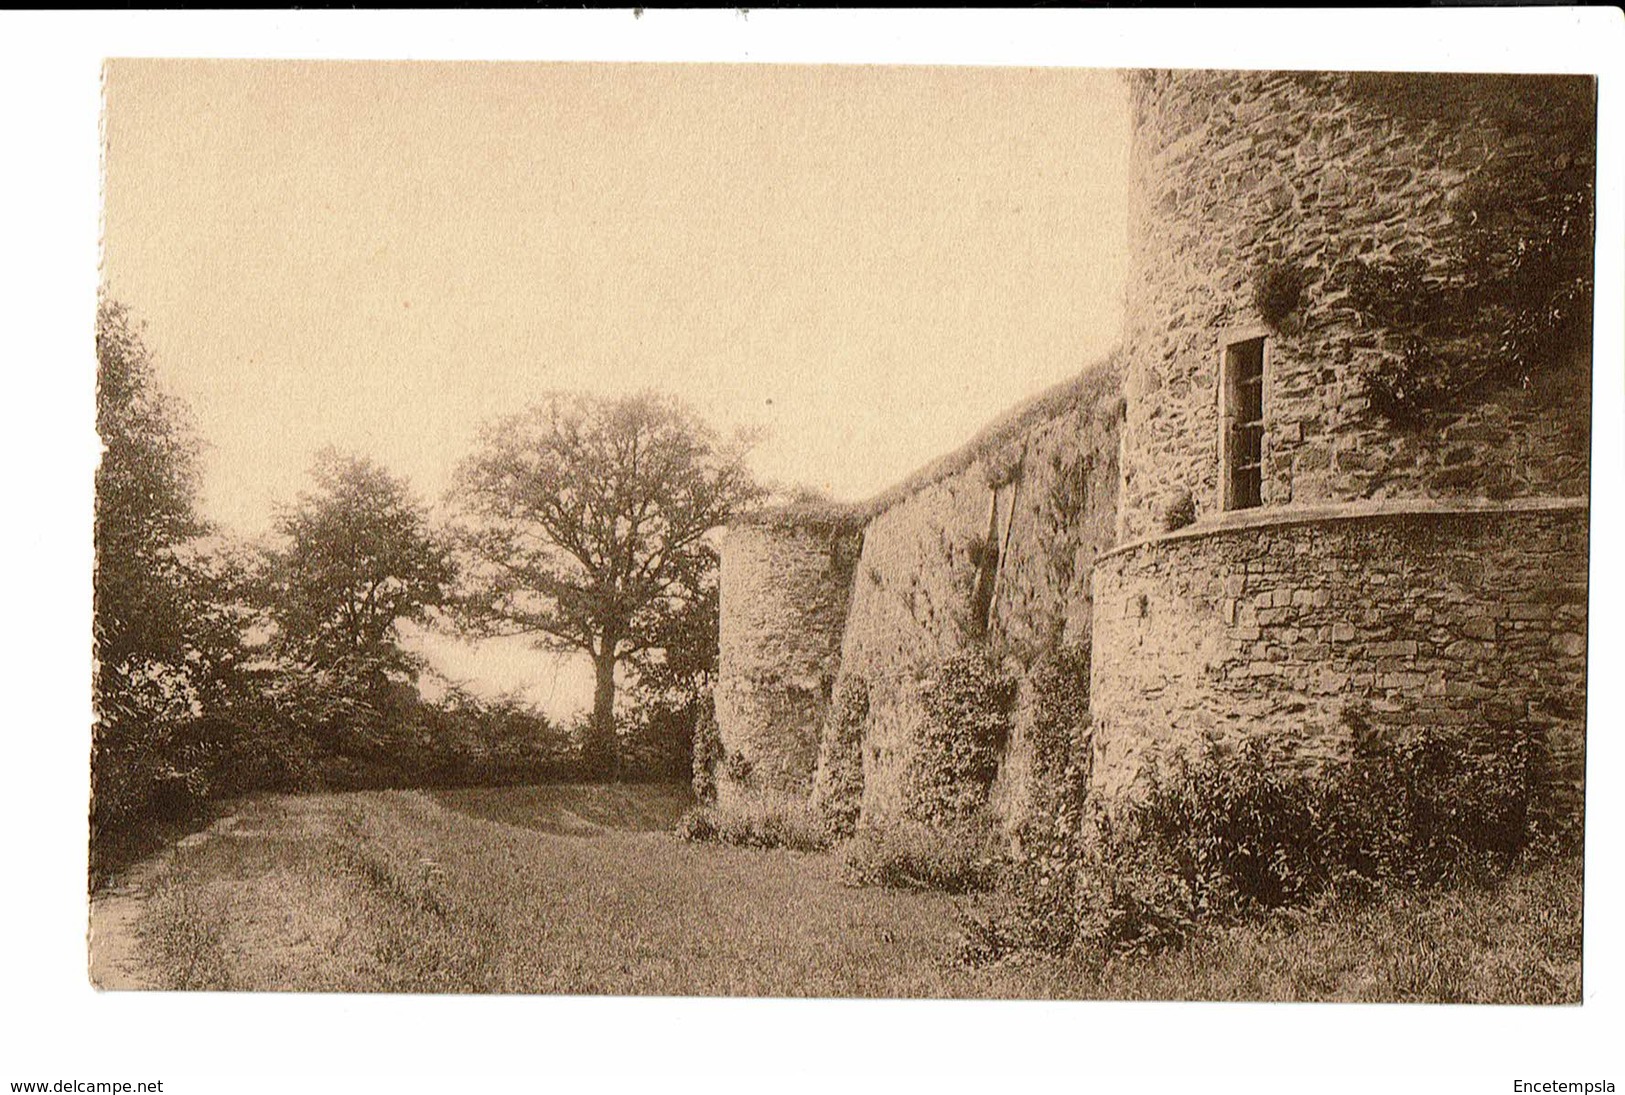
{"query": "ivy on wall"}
(1511, 296)
(1277, 290)
(838, 783)
(1068, 502)
(708, 754)
(968, 700)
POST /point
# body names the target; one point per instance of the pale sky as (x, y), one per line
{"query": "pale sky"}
(866, 263)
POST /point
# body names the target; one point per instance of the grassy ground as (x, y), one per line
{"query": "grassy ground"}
(566, 809)
(1515, 942)
(578, 890)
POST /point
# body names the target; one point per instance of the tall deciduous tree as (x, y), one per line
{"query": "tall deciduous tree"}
(681, 666)
(584, 522)
(146, 490)
(167, 618)
(359, 556)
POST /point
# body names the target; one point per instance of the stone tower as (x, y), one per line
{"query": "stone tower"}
(784, 587)
(1330, 482)
(1290, 557)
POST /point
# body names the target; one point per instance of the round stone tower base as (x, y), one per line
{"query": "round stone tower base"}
(1278, 623)
(784, 592)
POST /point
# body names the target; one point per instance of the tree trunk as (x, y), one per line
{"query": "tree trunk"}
(602, 755)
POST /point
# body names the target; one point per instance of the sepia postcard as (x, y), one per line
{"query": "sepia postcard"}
(842, 531)
(703, 548)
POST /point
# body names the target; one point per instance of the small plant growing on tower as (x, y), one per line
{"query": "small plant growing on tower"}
(1180, 511)
(1277, 291)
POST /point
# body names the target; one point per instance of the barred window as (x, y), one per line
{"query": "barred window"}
(1241, 442)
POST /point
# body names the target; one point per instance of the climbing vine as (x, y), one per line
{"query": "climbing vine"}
(1511, 296)
(838, 781)
(968, 699)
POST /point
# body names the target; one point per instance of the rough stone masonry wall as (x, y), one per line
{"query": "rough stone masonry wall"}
(1062, 515)
(784, 592)
(913, 590)
(1431, 619)
(1232, 170)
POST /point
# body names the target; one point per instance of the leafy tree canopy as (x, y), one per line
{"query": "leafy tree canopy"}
(359, 557)
(146, 493)
(584, 523)
(169, 607)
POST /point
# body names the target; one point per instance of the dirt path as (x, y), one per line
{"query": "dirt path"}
(116, 962)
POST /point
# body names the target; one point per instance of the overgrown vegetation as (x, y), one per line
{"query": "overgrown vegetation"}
(1097, 386)
(1510, 299)
(707, 755)
(792, 825)
(1039, 886)
(1062, 516)
(903, 854)
(1277, 290)
(1231, 835)
(967, 698)
(497, 891)
(809, 510)
(838, 780)
(944, 841)
(1179, 512)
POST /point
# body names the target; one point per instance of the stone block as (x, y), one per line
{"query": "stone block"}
(1568, 644)
(1311, 458)
(1328, 681)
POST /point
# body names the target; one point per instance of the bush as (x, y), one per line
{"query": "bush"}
(1039, 885)
(656, 739)
(1230, 835)
(1427, 808)
(149, 758)
(1238, 825)
(968, 699)
(266, 756)
(910, 856)
(708, 754)
(838, 781)
(787, 825)
(698, 825)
